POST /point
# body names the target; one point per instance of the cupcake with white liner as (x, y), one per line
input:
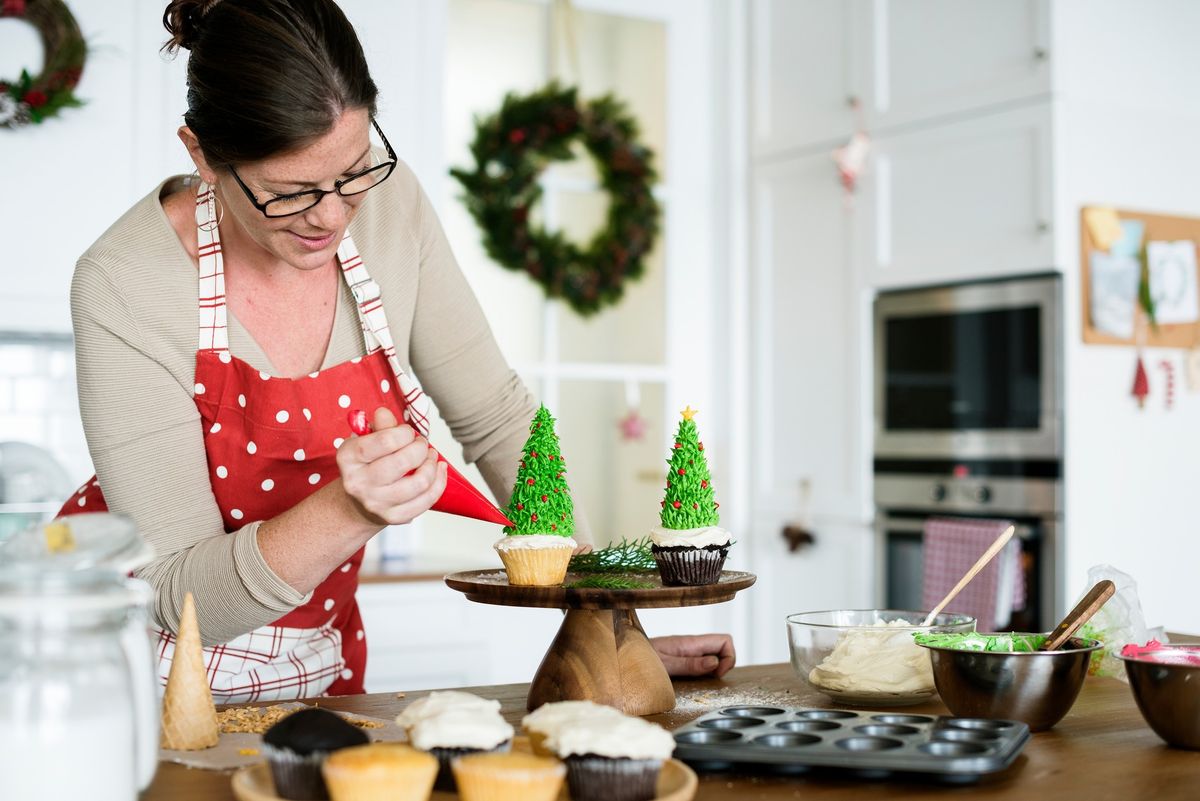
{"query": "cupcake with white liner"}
(612, 759)
(538, 547)
(544, 721)
(689, 547)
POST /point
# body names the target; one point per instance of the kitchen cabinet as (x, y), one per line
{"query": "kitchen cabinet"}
(423, 634)
(965, 200)
(934, 58)
(802, 72)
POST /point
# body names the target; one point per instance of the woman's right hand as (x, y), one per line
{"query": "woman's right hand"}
(392, 474)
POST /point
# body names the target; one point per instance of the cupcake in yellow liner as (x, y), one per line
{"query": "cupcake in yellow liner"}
(547, 718)
(508, 777)
(380, 772)
(536, 560)
(537, 548)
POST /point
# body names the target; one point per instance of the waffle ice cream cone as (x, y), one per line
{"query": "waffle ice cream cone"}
(189, 717)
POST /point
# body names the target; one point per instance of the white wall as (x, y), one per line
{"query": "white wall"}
(66, 180)
(1127, 125)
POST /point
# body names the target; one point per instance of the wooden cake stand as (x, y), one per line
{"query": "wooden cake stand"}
(600, 653)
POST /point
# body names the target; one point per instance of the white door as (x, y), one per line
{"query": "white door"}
(811, 421)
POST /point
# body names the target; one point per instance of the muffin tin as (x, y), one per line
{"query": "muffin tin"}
(795, 739)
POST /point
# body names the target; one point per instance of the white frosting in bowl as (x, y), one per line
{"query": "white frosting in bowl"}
(461, 728)
(689, 537)
(623, 737)
(876, 659)
(516, 542)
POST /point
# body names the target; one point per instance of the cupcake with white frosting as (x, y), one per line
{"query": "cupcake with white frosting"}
(458, 732)
(537, 548)
(441, 702)
(612, 759)
(544, 721)
(689, 547)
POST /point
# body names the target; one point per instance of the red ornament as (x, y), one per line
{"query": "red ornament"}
(1141, 383)
(36, 98)
(703, 485)
(695, 506)
(533, 454)
(533, 517)
(516, 136)
(701, 446)
(529, 481)
(678, 446)
(676, 504)
(544, 498)
(554, 526)
(12, 8)
(663, 504)
(520, 507)
(682, 472)
(668, 483)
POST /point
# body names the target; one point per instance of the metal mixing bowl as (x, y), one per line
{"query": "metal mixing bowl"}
(1037, 688)
(1169, 698)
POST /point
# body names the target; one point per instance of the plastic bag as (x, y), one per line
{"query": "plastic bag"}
(1119, 622)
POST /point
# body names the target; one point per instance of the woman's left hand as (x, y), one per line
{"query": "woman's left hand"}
(696, 655)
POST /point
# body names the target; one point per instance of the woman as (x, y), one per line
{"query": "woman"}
(225, 325)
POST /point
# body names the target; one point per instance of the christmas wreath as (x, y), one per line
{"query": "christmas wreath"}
(33, 98)
(511, 149)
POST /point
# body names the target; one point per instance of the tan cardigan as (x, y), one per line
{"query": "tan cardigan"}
(133, 302)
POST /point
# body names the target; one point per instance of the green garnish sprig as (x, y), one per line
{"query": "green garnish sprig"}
(608, 582)
(625, 556)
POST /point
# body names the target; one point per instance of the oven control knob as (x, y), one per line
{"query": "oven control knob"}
(983, 494)
(938, 493)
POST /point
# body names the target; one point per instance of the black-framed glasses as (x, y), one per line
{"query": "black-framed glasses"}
(356, 184)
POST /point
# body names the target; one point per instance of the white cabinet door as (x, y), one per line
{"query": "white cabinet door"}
(801, 73)
(810, 416)
(810, 320)
(930, 58)
(962, 201)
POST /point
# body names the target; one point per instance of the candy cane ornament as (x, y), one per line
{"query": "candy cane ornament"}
(1169, 369)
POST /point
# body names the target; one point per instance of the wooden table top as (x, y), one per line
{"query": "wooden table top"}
(1102, 749)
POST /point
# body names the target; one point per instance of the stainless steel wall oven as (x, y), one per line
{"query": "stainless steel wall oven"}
(968, 423)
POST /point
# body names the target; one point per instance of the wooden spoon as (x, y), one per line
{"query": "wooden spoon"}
(988, 555)
(1088, 605)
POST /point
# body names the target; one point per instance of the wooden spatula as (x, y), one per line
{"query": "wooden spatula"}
(1088, 605)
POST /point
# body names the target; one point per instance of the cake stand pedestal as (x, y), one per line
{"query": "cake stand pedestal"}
(600, 653)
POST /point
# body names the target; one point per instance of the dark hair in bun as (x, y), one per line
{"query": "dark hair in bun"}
(266, 76)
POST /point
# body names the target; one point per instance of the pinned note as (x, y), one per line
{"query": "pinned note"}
(1172, 267)
(1103, 225)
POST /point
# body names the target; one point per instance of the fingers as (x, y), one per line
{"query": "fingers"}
(409, 511)
(696, 655)
(370, 447)
(689, 665)
(383, 418)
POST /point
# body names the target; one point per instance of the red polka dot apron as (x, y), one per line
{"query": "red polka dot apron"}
(270, 443)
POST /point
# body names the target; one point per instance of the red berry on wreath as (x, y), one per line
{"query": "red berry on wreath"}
(36, 98)
(516, 136)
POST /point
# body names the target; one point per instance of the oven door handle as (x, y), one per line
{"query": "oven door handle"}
(915, 525)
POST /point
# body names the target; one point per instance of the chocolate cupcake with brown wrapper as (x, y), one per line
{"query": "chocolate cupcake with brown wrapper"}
(298, 745)
(612, 760)
(689, 547)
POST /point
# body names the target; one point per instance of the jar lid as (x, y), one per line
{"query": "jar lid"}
(96, 544)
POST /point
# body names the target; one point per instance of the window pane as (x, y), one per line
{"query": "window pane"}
(617, 482)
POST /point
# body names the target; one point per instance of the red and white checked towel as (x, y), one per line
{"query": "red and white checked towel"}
(951, 546)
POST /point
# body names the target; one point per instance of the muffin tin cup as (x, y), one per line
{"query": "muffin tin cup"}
(865, 743)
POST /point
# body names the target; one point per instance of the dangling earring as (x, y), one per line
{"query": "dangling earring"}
(215, 212)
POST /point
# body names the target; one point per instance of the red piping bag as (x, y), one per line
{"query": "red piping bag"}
(460, 496)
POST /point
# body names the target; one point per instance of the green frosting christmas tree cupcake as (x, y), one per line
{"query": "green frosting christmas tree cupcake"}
(689, 547)
(538, 548)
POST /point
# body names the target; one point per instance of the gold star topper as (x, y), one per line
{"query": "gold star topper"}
(689, 413)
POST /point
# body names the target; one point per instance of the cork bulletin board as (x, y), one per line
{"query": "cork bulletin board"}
(1158, 228)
